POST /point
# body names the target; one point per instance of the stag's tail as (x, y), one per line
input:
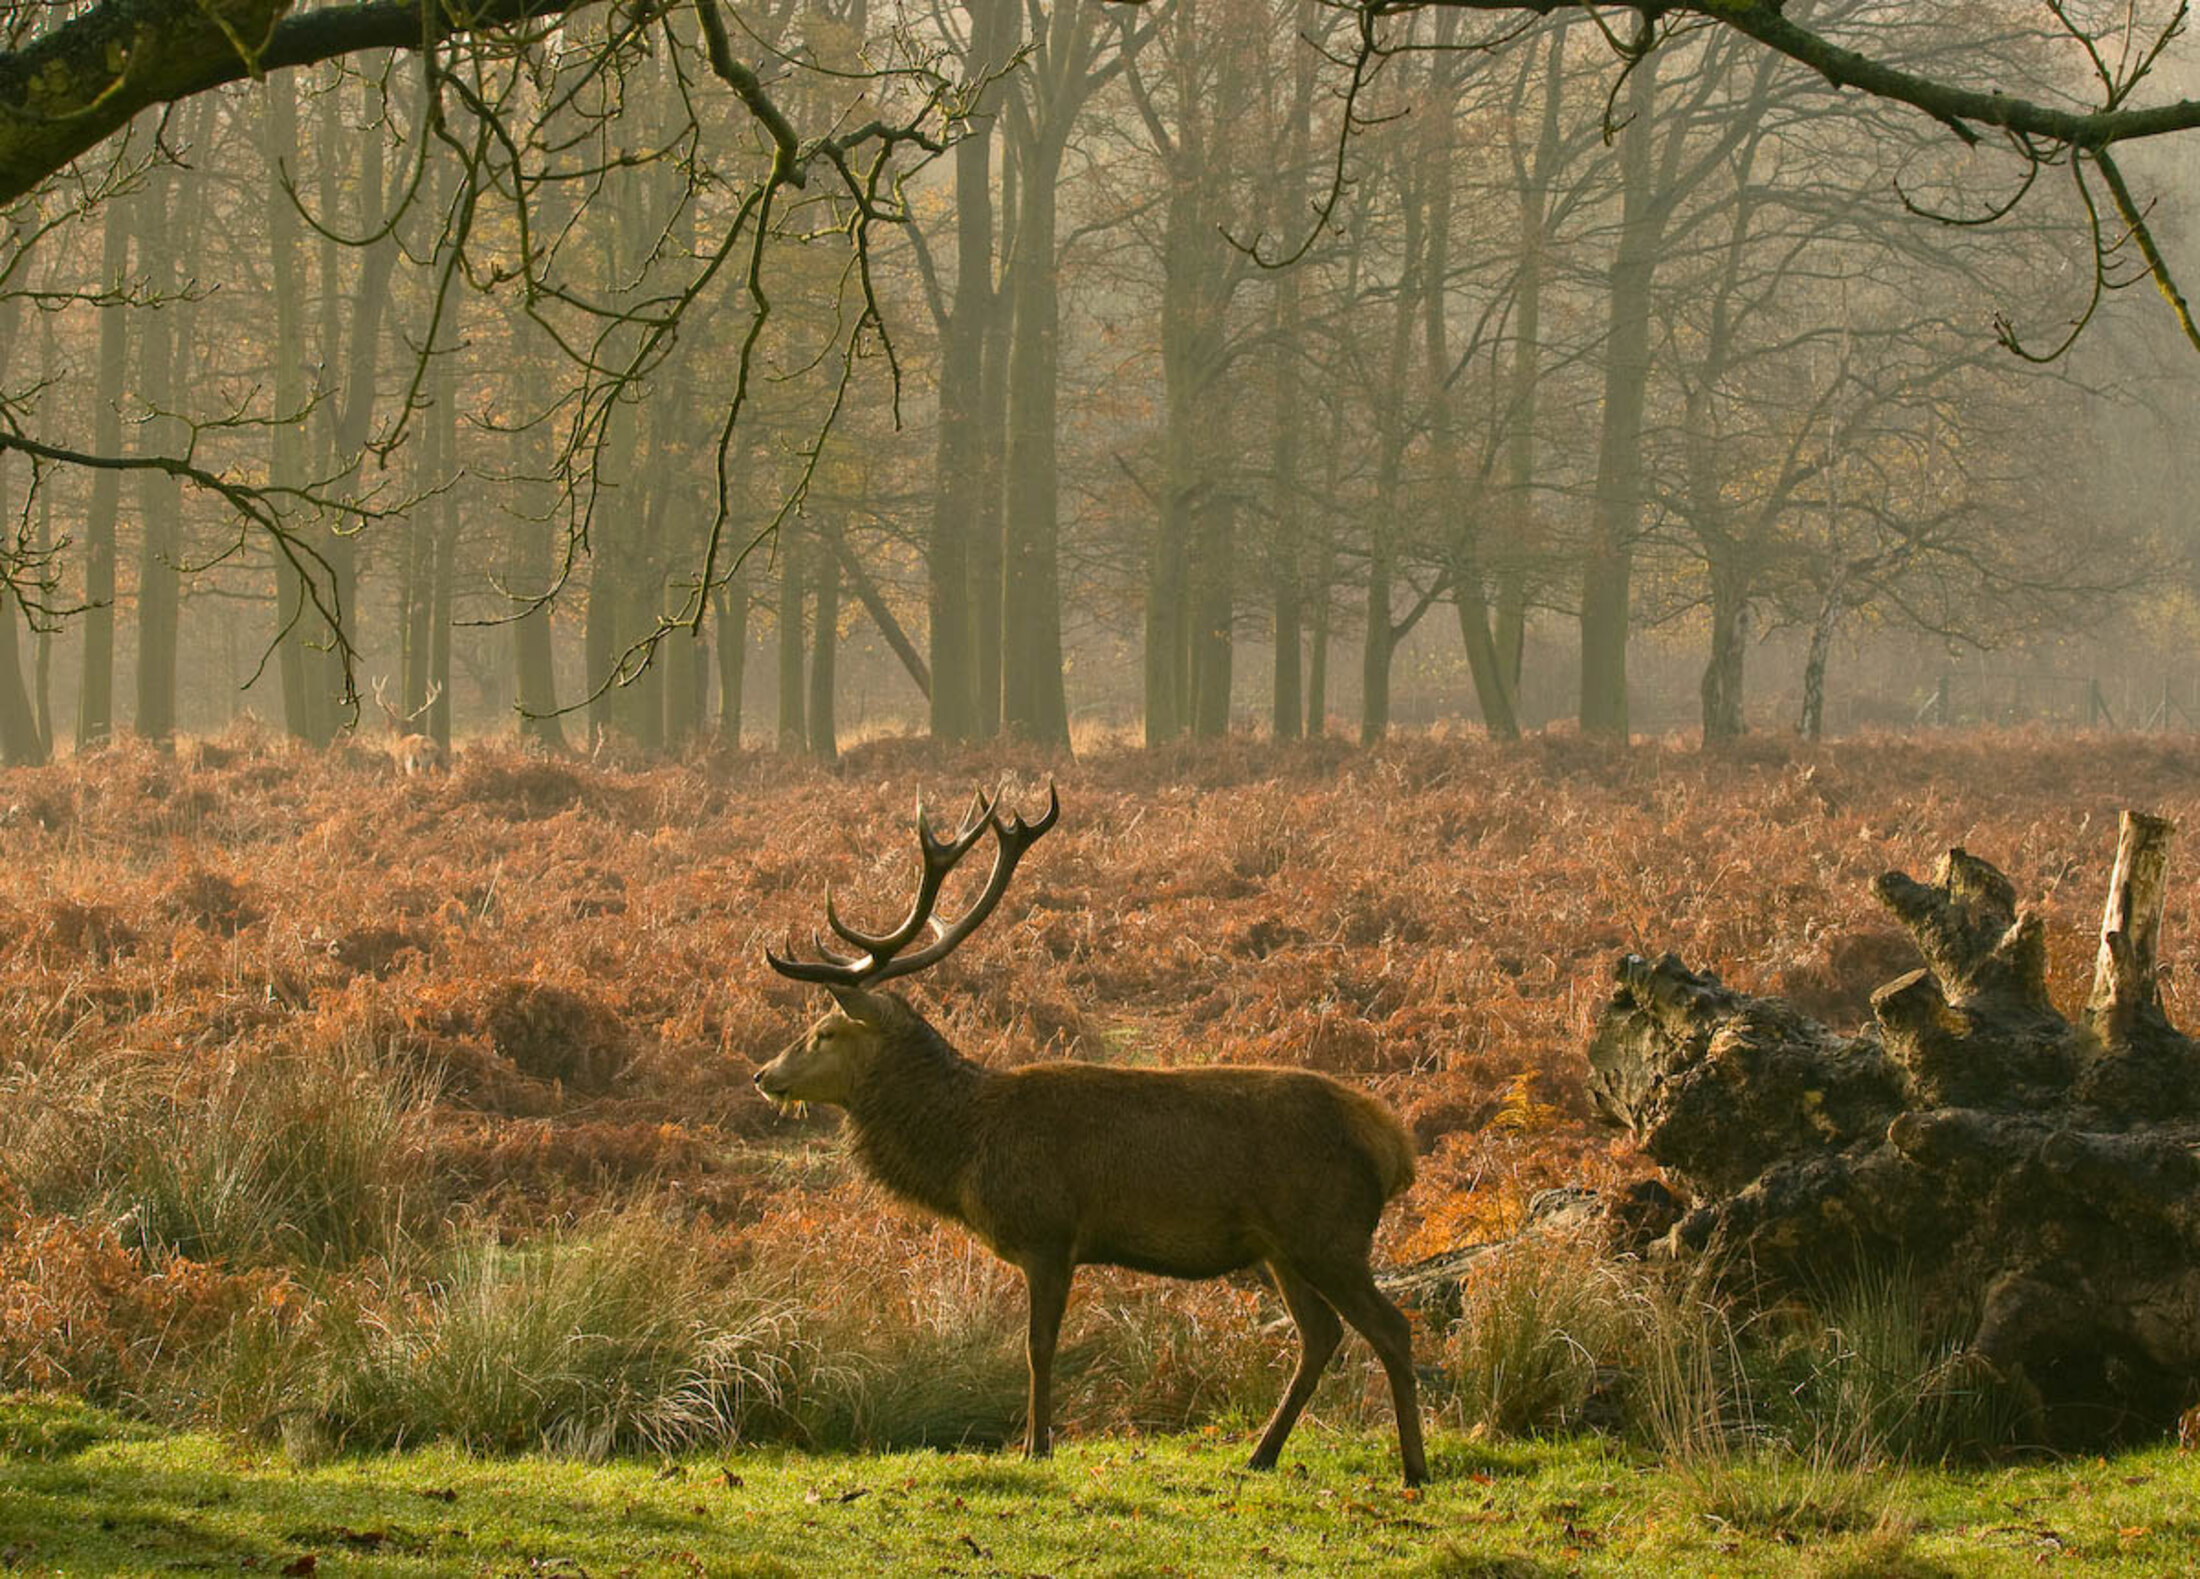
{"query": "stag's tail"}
(1385, 1141)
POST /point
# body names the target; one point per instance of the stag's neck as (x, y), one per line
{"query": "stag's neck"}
(914, 1120)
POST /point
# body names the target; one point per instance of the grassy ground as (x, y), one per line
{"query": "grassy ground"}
(83, 1493)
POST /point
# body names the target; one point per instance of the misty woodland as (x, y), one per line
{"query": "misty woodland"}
(1099, 787)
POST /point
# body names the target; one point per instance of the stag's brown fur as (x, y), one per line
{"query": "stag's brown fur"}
(1190, 1173)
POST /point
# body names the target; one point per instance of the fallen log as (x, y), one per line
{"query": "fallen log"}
(2036, 1177)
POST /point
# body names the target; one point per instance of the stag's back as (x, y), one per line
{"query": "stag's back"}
(1186, 1172)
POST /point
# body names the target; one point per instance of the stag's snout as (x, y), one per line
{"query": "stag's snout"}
(774, 1080)
(822, 1066)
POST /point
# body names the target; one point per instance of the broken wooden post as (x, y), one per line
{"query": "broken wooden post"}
(2124, 973)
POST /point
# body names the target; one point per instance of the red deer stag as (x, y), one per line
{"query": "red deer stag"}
(414, 753)
(1191, 1173)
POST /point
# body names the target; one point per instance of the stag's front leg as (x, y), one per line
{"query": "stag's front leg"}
(1048, 1282)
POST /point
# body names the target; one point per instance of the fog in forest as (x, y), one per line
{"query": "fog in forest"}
(1104, 372)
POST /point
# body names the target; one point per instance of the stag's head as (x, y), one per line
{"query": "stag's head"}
(829, 1062)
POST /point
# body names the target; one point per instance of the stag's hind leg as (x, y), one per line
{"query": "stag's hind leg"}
(1319, 1334)
(1352, 1290)
(1049, 1283)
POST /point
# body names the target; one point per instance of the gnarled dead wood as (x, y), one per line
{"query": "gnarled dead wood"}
(2038, 1177)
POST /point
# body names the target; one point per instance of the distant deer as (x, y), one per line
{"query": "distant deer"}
(1191, 1173)
(415, 753)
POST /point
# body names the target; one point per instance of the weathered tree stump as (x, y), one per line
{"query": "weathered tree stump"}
(2037, 1177)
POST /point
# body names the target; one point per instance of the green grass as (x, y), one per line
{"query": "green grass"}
(81, 1492)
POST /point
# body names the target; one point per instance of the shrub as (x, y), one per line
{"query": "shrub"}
(1784, 1493)
(607, 1336)
(210, 900)
(80, 1310)
(263, 1159)
(1541, 1321)
(1894, 1381)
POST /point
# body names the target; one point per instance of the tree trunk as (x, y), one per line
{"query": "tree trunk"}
(794, 734)
(95, 715)
(1287, 690)
(1375, 650)
(1317, 641)
(164, 345)
(530, 562)
(1484, 663)
(1722, 674)
(431, 541)
(1455, 497)
(615, 567)
(534, 657)
(1287, 711)
(1391, 437)
(681, 657)
(988, 560)
(1213, 574)
(642, 596)
(733, 658)
(2037, 1179)
(42, 637)
(332, 161)
(1523, 543)
(824, 647)
(303, 708)
(600, 642)
(20, 741)
(1608, 570)
(352, 413)
(1187, 476)
(1812, 726)
(958, 506)
(1321, 586)
(415, 595)
(446, 527)
(1057, 81)
(874, 603)
(435, 445)
(1033, 703)
(1167, 575)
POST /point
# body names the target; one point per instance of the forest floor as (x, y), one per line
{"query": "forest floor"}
(341, 1110)
(81, 1492)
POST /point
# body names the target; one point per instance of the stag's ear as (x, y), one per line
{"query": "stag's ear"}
(863, 1007)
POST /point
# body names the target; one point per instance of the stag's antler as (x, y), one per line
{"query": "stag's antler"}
(389, 708)
(882, 958)
(398, 720)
